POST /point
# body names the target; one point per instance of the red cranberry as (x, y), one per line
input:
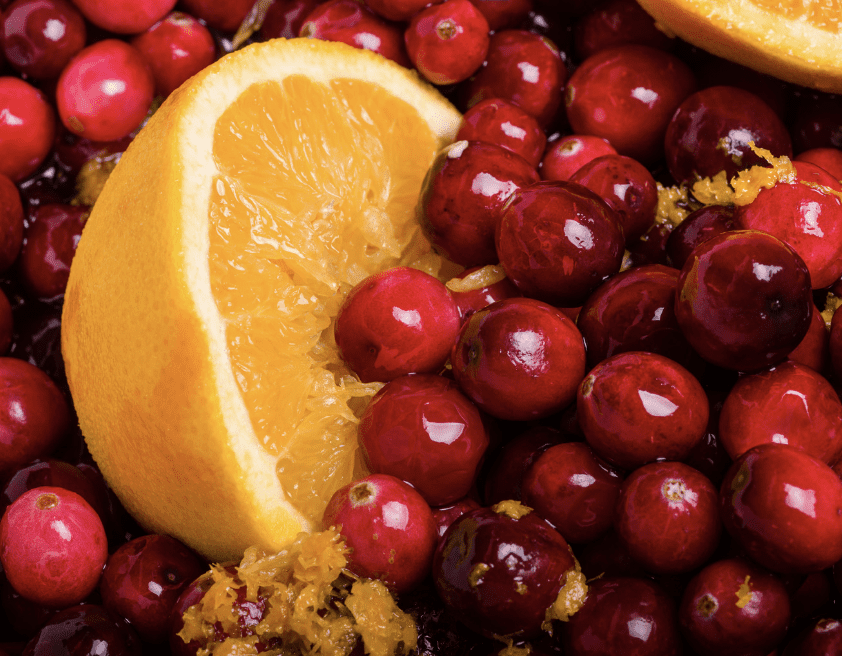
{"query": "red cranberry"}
(519, 359)
(37, 339)
(506, 125)
(398, 10)
(709, 456)
(616, 23)
(502, 14)
(27, 128)
(627, 95)
(11, 221)
(72, 152)
(463, 196)
(557, 241)
(814, 349)
(699, 226)
(192, 594)
(744, 300)
(822, 638)
(567, 155)
(224, 16)
(105, 91)
(479, 287)
(785, 508)
(6, 323)
(284, 18)
(388, 527)
(422, 429)
(830, 159)
(85, 630)
(124, 17)
(175, 49)
(397, 322)
(446, 515)
(734, 608)
(651, 248)
(51, 473)
(815, 121)
(40, 37)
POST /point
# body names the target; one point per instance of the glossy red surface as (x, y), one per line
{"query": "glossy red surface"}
(506, 125)
(225, 16)
(124, 17)
(27, 128)
(284, 18)
(11, 222)
(569, 153)
(822, 638)
(398, 10)
(84, 630)
(470, 300)
(615, 23)
(828, 158)
(699, 226)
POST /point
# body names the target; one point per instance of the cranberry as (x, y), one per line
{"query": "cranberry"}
(822, 638)
(744, 300)
(192, 594)
(709, 456)
(51, 473)
(835, 345)
(785, 508)
(40, 37)
(73, 152)
(557, 241)
(519, 359)
(615, 23)
(446, 515)
(814, 351)
(397, 322)
(175, 49)
(25, 617)
(815, 121)
(398, 10)
(479, 287)
(503, 124)
(284, 18)
(37, 339)
(830, 159)
(27, 128)
(463, 196)
(502, 14)
(224, 16)
(6, 323)
(699, 226)
(651, 248)
(568, 154)
(627, 95)
(522, 68)
(105, 91)
(638, 407)
(85, 630)
(11, 221)
(122, 17)
(734, 608)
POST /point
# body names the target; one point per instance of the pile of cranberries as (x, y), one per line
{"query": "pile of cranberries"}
(640, 406)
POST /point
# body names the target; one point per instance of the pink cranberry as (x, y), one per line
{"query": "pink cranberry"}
(284, 18)
(124, 17)
(699, 226)
(478, 287)
(519, 359)
(82, 630)
(175, 49)
(224, 16)
(446, 515)
(105, 91)
(11, 222)
(568, 154)
(398, 10)
(52, 546)
(388, 527)
(616, 23)
(830, 159)
(503, 124)
(397, 322)
(27, 128)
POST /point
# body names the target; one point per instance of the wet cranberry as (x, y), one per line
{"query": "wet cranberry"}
(40, 37)
(785, 508)
(822, 638)
(568, 154)
(744, 300)
(615, 23)
(734, 608)
(557, 241)
(638, 407)
(502, 14)
(124, 17)
(651, 248)
(224, 16)
(462, 199)
(699, 226)
(398, 10)
(27, 128)
(627, 94)
(192, 594)
(284, 18)
(830, 159)
(397, 322)
(86, 630)
(11, 222)
(50, 473)
(815, 121)
(623, 615)
(506, 125)
(446, 515)
(522, 68)
(519, 359)
(478, 287)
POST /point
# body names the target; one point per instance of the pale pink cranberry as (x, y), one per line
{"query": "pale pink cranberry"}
(567, 155)
(124, 17)
(27, 128)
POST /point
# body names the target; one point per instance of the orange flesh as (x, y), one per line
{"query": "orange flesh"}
(822, 14)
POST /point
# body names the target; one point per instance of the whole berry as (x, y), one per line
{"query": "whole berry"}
(11, 222)
(503, 124)
(124, 17)
(27, 128)
(82, 630)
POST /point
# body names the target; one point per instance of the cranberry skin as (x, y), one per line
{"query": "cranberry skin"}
(711, 131)
(787, 404)
(446, 515)
(479, 287)
(615, 23)
(40, 37)
(224, 16)
(573, 490)
(398, 10)
(284, 18)
(523, 68)
(27, 128)
(557, 241)
(627, 95)
(823, 638)
(498, 574)
(830, 159)
(175, 49)
(713, 622)
(519, 359)
(85, 630)
(192, 594)
(463, 195)
(623, 615)
(423, 430)
(6, 323)
(699, 226)
(502, 14)
(11, 222)
(814, 350)
(50, 473)
(503, 124)
(627, 186)
(568, 154)
(124, 18)
(86, 98)
(785, 508)
(397, 322)
(638, 407)
(744, 300)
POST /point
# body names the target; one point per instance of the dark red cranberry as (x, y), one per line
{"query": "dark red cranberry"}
(25, 617)
(815, 121)
(519, 359)
(522, 68)
(830, 159)
(744, 300)
(651, 248)
(639, 407)
(502, 14)
(462, 199)
(785, 508)
(478, 287)
(284, 18)
(814, 349)
(124, 17)
(506, 125)
(616, 23)
(627, 95)
(425, 431)
(51, 473)
(397, 322)
(37, 339)
(398, 10)
(568, 154)
(714, 71)
(192, 594)
(557, 241)
(835, 345)
(27, 128)
(699, 226)
(6, 323)
(224, 16)
(446, 515)
(85, 630)
(73, 152)
(40, 37)
(822, 638)
(11, 222)
(607, 556)
(388, 527)
(709, 456)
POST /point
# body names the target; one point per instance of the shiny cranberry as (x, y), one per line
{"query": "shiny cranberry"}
(814, 349)
(123, 17)
(830, 159)
(175, 48)
(623, 615)
(522, 68)
(506, 125)
(744, 300)
(568, 154)
(699, 226)
(815, 121)
(192, 594)
(651, 248)
(734, 608)
(822, 638)
(351, 22)
(73, 152)
(447, 42)
(397, 322)
(225, 16)
(446, 515)
(27, 128)
(398, 10)
(627, 95)
(388, 527)
(616, 23)
(557, 241)
(85, 630)
(40, 37)
(785, 508)
(11, 222)
(105, 91)
(51, 473)
(499, 571)
(284, 18)
(478, 287)
(519, 359)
